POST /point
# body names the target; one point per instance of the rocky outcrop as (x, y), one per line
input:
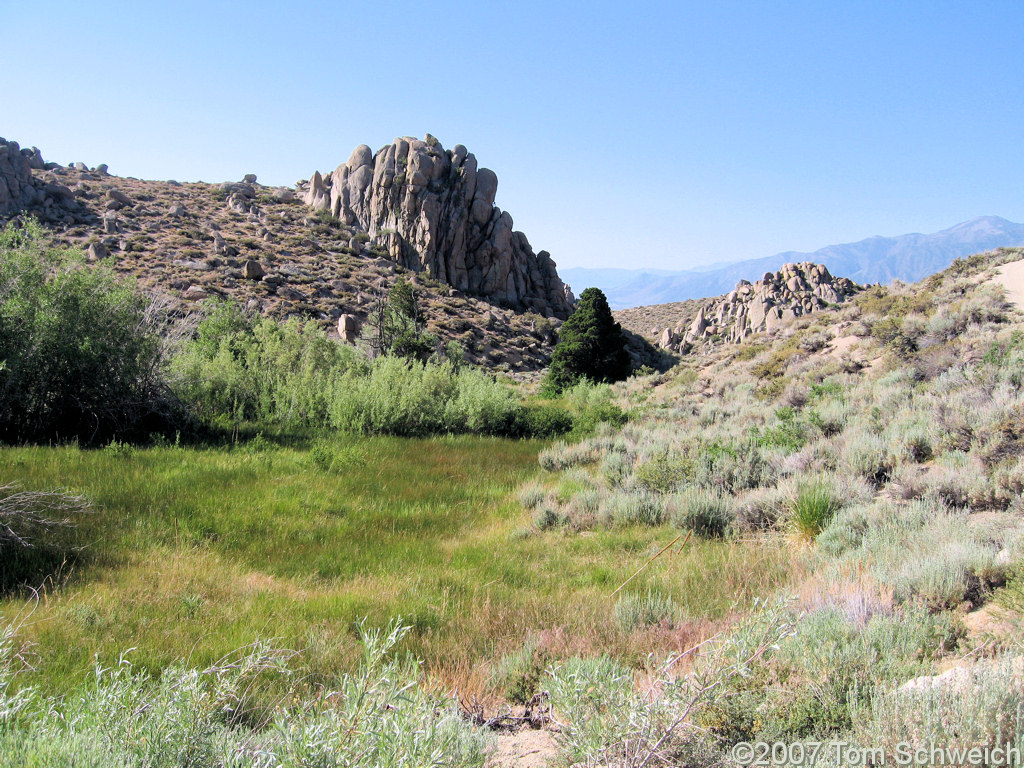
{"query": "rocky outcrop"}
(775, 299)
(433, 210)
(20, 189)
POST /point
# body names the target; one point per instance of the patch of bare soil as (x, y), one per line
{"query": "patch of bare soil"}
(527, 748)
(1011, 277)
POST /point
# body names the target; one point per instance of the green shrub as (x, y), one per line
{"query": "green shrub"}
(517, 675)
(120, 449)
(531, 495)
(979, 705)
(786, 432)
(830, 665)
(597, 697)
(592, 405)
(729, 466)
(634, 508)
(377, 715)
(542, 421)
(664, 472)
(705, 512)
(243, 368)
(590, 346)
(79, 350)
(868, 456)
(546, 518)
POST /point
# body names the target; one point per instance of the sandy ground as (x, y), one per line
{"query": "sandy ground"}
(1011, 277)
(525, 749)
(843, 345)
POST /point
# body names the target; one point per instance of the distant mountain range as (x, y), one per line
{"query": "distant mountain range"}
(874, 260)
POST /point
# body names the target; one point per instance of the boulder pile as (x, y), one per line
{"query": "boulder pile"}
(21, 190)
(775, 299)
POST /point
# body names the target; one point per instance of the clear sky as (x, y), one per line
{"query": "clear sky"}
(623, 133)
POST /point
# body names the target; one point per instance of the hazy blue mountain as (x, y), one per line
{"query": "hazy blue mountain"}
(874, 260)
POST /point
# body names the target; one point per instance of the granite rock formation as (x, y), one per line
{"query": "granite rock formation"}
(433, 210)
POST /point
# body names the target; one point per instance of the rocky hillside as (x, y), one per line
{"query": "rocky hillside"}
(480, 284)
(773, 301)
(433, 210)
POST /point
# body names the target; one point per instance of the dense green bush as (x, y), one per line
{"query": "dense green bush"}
(243, 367)
(80, 356)
(247, 368)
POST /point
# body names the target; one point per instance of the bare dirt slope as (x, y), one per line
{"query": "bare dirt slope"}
(1011, 277)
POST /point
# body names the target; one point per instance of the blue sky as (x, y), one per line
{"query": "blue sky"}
(643, 134)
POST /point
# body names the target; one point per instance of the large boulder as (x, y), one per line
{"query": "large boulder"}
(348, 328)
(433, 210)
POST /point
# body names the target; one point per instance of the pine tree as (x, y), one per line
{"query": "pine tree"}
(590, 346)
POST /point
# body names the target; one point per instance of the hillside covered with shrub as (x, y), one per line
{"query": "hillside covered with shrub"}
(880, 441)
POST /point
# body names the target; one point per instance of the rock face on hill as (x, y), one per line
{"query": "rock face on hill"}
(775, 299)
(433, 210)
(21, 190)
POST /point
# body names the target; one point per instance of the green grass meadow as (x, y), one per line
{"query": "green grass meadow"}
(192, 553)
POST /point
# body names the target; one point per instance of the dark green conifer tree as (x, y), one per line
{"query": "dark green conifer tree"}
(590, 346)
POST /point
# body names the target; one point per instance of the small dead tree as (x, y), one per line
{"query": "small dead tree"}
(36, 533)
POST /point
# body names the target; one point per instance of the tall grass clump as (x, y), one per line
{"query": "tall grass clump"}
(14, 699)
(814, 505)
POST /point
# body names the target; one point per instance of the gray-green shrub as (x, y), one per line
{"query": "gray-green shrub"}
(635, 610)
(703, 511)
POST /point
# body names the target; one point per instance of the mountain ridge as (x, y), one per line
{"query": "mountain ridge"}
(876, 259)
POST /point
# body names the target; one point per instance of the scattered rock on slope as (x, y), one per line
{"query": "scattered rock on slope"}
(433, 209)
